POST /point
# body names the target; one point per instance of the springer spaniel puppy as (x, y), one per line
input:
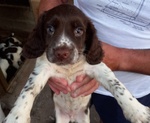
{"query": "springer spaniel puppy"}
(65, 45)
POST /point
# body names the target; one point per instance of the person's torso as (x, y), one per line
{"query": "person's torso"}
(123, 24)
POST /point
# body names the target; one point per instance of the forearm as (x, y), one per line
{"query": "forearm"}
(135, 61)
(127, 59)
(49, 4)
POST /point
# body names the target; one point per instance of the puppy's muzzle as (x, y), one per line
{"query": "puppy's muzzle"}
(62, 53)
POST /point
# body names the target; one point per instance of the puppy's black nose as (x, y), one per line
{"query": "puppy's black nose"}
(62, 53)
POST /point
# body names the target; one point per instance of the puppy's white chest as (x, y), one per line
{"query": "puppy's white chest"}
(69, 72)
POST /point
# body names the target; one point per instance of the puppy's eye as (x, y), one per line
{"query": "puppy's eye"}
(78, 31)
(51, 30)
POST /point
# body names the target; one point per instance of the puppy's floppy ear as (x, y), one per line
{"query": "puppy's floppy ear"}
(35, 46)
(93, 49)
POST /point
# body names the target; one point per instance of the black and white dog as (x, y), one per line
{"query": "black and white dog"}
(10, 56)
(65, 45)
(2, 116)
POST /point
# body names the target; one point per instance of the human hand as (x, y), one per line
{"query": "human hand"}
(83, 86)
(59, 85)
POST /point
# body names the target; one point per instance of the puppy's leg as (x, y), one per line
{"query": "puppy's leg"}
(2, 116)
(61, 116)
(20, 113)
(83, 116)
(132, 109)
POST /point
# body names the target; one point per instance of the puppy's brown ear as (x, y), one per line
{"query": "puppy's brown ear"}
(35, 46)
(93, 50)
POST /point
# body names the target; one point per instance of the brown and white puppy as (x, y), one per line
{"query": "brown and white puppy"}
(65, 44)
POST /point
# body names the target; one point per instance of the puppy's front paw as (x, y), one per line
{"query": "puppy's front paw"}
(140, 115)
(17, 118)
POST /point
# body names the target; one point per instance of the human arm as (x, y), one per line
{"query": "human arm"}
(49, 4)
(133, 60)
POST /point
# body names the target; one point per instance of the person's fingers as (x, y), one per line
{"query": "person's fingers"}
(84, 85)
(91, 90)
(60, 81)
(81, 77)
(55, 90)
(86, 89)
(58, 85)
(80, 81)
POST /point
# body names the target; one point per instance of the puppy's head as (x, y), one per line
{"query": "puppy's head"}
(65, 34)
